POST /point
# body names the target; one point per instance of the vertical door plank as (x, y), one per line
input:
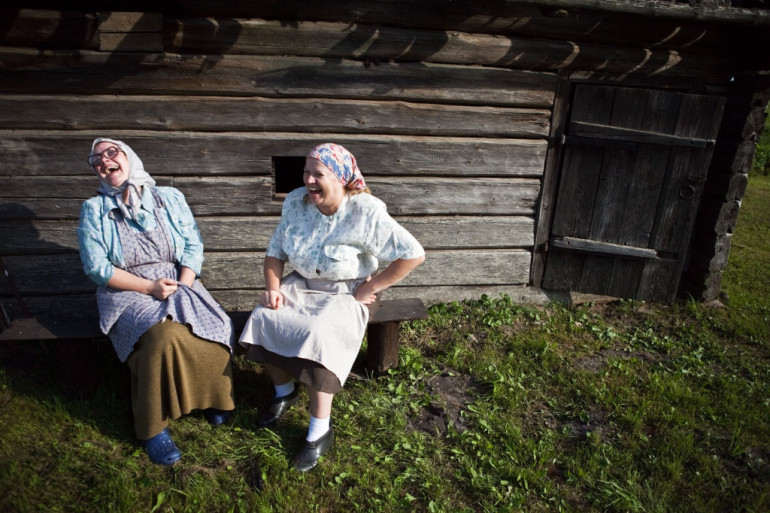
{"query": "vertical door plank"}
(577, 189)
(611, 195)
(699, 116)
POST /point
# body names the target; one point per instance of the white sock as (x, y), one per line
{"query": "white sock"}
(284, 390)
(318, 428)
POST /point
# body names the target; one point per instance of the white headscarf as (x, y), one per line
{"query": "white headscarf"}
(137, 178)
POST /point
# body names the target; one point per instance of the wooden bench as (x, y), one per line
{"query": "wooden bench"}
(382, 332)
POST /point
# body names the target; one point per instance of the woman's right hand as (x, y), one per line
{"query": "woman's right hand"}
(162, 288)
(272, 299)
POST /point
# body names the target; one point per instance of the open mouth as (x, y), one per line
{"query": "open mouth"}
(112, 168)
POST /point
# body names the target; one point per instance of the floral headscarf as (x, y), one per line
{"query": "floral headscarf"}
(340, 162)
(137, 178)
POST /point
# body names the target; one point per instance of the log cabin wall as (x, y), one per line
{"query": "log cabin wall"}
(451, 109)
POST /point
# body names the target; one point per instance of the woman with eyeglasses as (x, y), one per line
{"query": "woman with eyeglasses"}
(309, 324)
(140, 244)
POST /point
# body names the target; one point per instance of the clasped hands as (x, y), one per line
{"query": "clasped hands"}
(162, 288)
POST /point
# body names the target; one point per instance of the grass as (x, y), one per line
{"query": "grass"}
(495, 406)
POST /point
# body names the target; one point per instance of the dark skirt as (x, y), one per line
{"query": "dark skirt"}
(174, 372)
(308, 372)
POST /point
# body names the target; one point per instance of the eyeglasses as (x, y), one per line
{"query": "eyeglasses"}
(96, 158)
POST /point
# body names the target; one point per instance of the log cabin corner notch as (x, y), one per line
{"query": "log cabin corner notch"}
(515, 139)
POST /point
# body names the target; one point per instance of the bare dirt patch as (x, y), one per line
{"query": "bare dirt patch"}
(453, 393)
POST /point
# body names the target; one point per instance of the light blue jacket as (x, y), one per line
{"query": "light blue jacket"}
(99, 241)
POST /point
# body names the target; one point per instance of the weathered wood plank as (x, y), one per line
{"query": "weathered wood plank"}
(252, 195)
(471, 232)
(551, 173)
(685, 32)
(648, 172)
(579, 179)
(602, 248)
(35, 236)
(238, 153)
(698, 117)
(252, 233)
(433, 232)
(63, 274)
(46, 274)
(563, 22)
(268, 115)
(86, 72)
(382, 43)
(244, 270)
(613, 133)
(514, 196)
(609, 208)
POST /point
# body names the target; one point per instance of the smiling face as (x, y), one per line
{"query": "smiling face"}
(324, 190)
(113, 171)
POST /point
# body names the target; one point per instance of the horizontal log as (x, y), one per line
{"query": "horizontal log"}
(711, 13)
(460, 267)
(252, 195)
(433, 232)
(87, 72)
(59, 274)
(238, 153)
(472, 196)
(63, 274)
(224, 114)
(571, 22)
(45, 237)
(380, 43)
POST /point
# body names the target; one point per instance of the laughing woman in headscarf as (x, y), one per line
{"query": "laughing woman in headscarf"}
(140, 244)
(309, 325)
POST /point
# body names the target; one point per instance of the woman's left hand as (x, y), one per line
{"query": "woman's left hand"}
(392, 274)
(364, 293)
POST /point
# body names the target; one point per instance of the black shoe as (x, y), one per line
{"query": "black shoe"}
(308, 455)
(277, 408)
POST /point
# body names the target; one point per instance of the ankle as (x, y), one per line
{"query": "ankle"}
(284, 390)
(317, 428)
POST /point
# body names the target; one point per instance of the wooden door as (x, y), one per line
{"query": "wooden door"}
(634, 164)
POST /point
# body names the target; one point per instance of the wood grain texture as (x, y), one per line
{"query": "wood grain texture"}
(30, 153)
(62, 274)
(383, 43)
(88, 72)
(218, 114)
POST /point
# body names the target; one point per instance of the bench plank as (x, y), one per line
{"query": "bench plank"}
(382, 339)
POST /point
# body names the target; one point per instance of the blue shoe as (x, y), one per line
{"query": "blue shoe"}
(161, 449)
(216, 417)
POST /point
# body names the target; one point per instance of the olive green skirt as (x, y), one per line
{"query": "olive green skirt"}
(174, 372)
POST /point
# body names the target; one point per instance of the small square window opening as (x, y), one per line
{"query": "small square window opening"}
(287, 175)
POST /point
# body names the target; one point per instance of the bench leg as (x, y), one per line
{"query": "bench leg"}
(382, 349)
